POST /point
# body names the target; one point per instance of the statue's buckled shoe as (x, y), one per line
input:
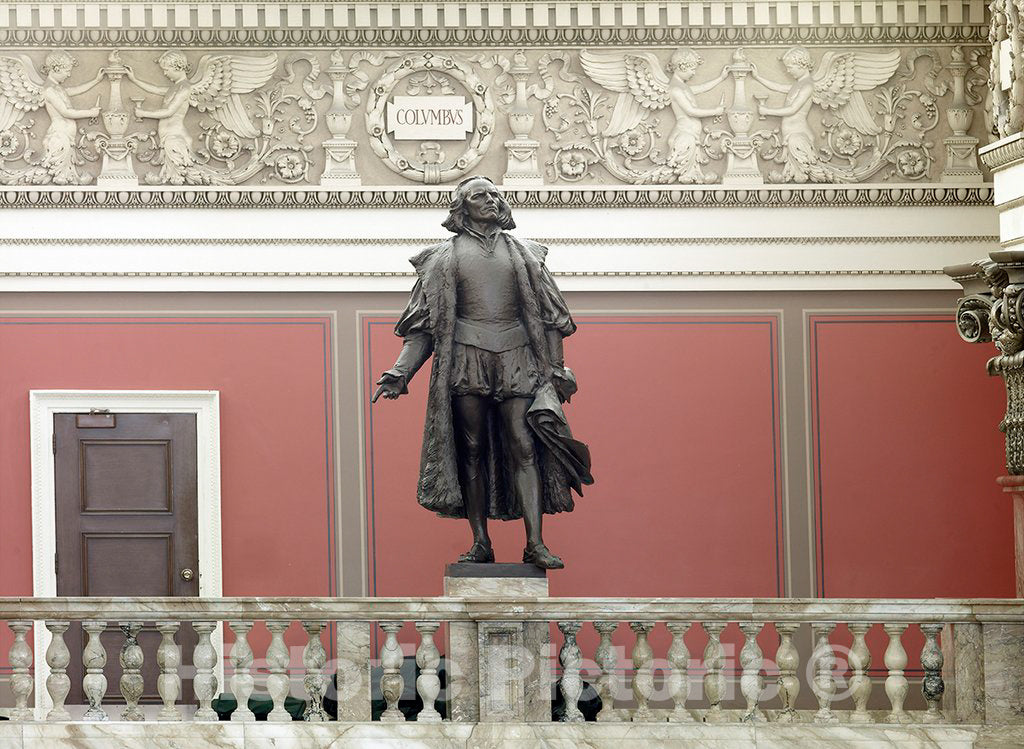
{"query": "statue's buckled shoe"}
(478, 553)
(541, 557)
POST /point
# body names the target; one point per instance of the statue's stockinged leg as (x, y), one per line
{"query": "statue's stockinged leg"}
(526, 477)
(470, 417)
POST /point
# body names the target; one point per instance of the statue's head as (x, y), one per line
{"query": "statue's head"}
(797, 61)
(59, 63)
(685, 62)
(458, 211)
(173, 60)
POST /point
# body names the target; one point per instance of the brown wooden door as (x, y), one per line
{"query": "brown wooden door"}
(127, 515)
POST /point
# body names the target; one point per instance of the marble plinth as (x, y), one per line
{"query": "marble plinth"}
(521, 689)
(1004, 673)
(497, 736)
(968, 674)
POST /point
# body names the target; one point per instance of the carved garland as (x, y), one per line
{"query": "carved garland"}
(483, 106)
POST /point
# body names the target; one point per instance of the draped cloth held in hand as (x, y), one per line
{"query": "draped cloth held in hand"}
(562, 462)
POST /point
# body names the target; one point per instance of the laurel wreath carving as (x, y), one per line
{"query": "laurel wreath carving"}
(376, 124)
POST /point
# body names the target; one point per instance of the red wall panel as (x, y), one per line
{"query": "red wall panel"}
(275, 381)
(682, 417)
(905, 453)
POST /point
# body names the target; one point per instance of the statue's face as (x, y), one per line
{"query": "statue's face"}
(482, 201)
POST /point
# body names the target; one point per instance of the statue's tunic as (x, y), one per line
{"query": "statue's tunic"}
(449, 290)
(492, 355)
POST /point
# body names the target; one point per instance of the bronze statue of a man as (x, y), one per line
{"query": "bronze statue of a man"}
(496, 442)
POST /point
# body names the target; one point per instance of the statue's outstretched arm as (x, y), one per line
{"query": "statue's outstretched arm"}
(416, 349)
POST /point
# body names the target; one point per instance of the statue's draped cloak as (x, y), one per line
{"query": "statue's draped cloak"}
(431, 311)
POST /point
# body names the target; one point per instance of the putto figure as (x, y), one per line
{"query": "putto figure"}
(836, 86)
(215, 88)
(644, 87)
(496, 442)
(22, 90)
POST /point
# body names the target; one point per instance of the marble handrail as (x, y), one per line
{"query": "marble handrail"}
(500, 636)
(875, 610)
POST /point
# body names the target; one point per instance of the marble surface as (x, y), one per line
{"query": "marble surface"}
(354, 658)
(1004, 673)
(968, 693)
(488, 587)
(463, 672)
(298, 735)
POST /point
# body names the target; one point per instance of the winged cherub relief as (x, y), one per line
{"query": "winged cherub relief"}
(836, 85)
(644, 87)
(215, 88)
(23, 90)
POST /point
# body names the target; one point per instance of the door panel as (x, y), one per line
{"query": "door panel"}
(127, 514)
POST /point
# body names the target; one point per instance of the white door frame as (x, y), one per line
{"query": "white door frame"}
(43, 404)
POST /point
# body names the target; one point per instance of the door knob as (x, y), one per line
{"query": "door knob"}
(187, 574)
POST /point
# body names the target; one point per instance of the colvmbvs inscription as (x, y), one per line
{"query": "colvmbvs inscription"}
(430, 117)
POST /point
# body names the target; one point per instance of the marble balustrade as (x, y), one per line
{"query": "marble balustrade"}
(728, 661)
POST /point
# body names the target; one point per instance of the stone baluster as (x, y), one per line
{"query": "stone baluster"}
(787, 658)
(714, 676)
(242, 681)
(931, 661)
(204, 683)
(392, 684)
(860, 682)
(168, 683)
(314, 658)
(678, 677)
(428, 685)
(131, 659)
(751, 682)
(608, 661)
(20, 658)
(643, 671)
(824, 684)
(896, 685)
(278, 684)
(94, 658)
(571, 683)
(57, 658)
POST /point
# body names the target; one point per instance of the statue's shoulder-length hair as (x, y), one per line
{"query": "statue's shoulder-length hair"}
(456, 221)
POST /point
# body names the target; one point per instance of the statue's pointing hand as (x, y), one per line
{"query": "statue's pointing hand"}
(391, 386)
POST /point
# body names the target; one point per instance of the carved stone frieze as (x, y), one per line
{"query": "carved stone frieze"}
(601, 116)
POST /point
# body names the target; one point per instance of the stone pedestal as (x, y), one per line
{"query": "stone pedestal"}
(340, 168)
(1014, 486)
(961, 159)
(506, 663)
(522, 170)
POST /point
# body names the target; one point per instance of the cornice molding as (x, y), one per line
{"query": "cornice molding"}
(492, 37)
(821, 196)
(553, 241)
(360, 22)
(410, 274)
(1003, 153)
